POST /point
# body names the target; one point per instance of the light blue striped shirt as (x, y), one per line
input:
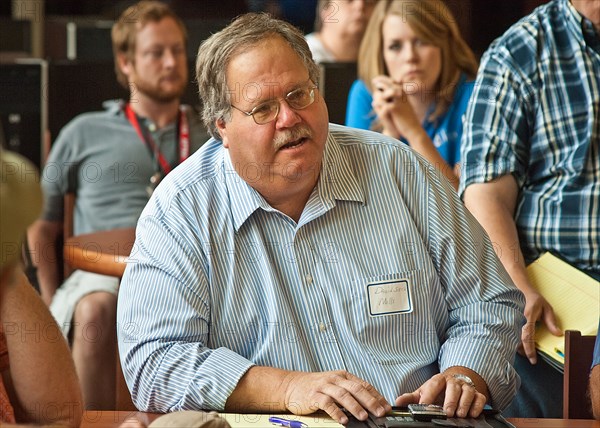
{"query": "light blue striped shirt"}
(219, 280)
(535, 113)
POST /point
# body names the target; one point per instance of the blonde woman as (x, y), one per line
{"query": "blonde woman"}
(415, 78)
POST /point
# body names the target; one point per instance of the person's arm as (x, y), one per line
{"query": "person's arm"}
(595, 378)
(58, 178)
(595, 391)
(275, 390)
(481, 311)
(166, 356)
(359, 113)
(400, 121)
(493, 205)
(41, 382)
(42, 237)
(419, 140)
(459, 397)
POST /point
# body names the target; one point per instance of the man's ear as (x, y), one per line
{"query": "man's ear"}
(125, 64)
(222, 128)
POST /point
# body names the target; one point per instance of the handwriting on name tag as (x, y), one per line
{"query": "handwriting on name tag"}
(389, 297)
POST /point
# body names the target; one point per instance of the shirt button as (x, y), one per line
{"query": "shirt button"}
(322, 326)
(152, 127)
(309, 279)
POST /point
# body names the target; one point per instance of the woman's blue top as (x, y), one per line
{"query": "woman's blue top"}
(445, 132)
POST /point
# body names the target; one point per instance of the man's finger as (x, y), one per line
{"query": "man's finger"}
(343, 398)
(366, 395)
(528, 341)
(467, 396)
(452, 397)
(477, 406)
(408, 398)
(550, 321)
(430, 392)
(328, 406)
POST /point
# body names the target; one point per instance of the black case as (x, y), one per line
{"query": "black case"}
(492, 417)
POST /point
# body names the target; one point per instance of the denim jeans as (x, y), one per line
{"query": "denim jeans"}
(541, 392)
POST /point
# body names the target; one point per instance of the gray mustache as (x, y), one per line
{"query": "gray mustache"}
(296, 133)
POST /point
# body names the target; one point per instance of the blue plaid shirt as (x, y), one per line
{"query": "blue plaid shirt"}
(535, 113)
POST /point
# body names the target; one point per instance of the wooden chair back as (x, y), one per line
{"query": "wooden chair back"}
(123, 397)
(68, 225)
(578, 360)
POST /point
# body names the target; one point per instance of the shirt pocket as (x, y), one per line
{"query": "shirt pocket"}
(396, 337)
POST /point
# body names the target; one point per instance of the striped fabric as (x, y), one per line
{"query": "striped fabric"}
(219, 280)
(535, 113)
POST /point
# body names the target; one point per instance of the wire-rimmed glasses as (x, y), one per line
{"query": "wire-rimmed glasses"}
(268, 111)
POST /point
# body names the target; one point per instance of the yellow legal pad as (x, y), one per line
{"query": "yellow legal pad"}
(575, 298)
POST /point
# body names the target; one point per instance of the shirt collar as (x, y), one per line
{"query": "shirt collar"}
(337, 181)
(581, 27)
(117, 108)
(244, 200)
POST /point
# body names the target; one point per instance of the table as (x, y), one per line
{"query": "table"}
(102, 252)
(112, 419)
(554, 423)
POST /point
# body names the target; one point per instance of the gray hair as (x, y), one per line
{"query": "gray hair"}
(218, 50)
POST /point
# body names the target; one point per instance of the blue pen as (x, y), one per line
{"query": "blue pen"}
(287, 423)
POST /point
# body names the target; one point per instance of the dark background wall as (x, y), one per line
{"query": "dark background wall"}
(481, 20)
(82, 80)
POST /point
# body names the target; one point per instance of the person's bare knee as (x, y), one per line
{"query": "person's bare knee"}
(95, 319)
(94, 348)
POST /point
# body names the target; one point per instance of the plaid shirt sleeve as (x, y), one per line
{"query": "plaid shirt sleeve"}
(499, 117)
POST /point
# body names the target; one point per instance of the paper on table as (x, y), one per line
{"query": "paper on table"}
(574, 296)
(317, 420)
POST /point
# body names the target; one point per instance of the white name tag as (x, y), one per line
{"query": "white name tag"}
(389, 297)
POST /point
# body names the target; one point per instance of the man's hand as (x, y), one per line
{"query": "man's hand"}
(536, 308)
(455, 395)
(330, 391)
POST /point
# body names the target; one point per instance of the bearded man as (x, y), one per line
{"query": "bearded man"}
(113, 160)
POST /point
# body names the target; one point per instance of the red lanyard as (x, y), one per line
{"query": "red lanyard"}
(184, 137)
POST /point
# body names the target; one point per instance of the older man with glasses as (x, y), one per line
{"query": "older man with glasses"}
(293, 265)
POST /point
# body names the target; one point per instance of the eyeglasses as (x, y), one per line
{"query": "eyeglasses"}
(268, 111)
